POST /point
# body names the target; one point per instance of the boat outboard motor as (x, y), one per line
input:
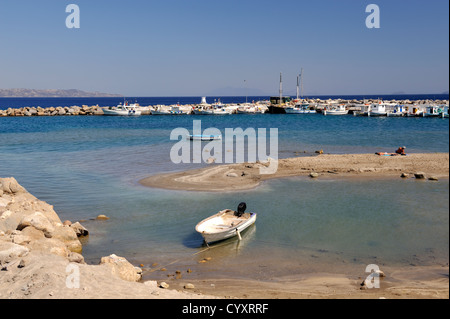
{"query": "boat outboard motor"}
(241, 209)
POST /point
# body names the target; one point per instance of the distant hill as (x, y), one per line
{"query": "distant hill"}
(52, 93)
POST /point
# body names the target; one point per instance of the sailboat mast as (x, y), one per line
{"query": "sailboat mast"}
(281, 89)
(301, 82)
(297, 87)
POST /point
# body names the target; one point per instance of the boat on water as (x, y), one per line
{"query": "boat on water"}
(433, 111)
(161, 110)
(414, 111)
(302, 108)
(122, 110)
(335, 110)
(250, 109)
(376, 109)
(225, 224)
(204, 137)
(397, 111)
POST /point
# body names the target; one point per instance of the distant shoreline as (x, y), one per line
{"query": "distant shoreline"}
(52, 93)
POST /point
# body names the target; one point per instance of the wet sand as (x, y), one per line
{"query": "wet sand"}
(235, 177)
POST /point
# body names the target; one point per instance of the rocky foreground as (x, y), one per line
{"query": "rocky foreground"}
(40, 257)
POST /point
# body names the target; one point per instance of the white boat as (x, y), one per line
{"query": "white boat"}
(397, 111)
(376, 109)
(204, 137)
(433, 111)
(336, 110)
(211, 111)
(250, 109)
(161, 110)
(122, 110)
(414, 111)
(225, 224)
(300, 109)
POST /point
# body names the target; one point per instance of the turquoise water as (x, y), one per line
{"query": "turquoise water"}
(86, 166)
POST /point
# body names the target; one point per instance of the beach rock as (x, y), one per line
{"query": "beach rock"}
(79, 229)
(313, 175)
(102, 217)
(189, 286)
(232, 175)
(38, 221)
(10, 185)
(122, 268)
(404, 175)
(10, 251)
(433, 178)
(319, 152)
(164, 285)
(419, 175)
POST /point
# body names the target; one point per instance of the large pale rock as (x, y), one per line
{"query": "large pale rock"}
(10, 251)
(67, 235)
(121, 267)
(10, 185)
(38, 221)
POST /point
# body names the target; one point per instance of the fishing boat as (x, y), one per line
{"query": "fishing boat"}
(225, 224)
(161, 110)
(250, 109)
(302, 108)
(414, 111)
(376, 109)
(336, 110)
(397, 111)
(122, 110)
(433, 111)
(204, 137)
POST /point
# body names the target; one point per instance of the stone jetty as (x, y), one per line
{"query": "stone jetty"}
(53, 111)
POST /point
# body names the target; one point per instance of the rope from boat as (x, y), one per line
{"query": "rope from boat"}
(180, 259)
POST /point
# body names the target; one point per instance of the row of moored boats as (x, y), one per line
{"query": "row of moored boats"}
(379, 108)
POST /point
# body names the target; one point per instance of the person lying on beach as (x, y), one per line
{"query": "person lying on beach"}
(401, 150)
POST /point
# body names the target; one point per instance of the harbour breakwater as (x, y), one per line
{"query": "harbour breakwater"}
(352, 105)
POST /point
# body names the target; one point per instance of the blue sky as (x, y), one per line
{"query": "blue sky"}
(198, 48)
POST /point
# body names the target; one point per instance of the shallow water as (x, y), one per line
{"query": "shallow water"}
(86, 166)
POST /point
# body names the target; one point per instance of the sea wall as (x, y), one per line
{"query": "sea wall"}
(52, 111)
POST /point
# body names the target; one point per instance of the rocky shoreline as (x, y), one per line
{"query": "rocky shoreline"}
(40, 257)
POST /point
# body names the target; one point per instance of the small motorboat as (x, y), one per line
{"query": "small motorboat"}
(225, 224)
(122, 110)
(204, 137)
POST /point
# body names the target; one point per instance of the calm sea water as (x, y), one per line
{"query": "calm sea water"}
(87, 166)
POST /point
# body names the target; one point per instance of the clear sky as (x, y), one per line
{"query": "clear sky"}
(201, 48)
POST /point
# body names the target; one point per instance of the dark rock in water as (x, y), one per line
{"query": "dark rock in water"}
(433, 178)
(404, 175)
(419, 175)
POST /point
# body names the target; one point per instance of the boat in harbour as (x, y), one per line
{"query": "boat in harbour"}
(335, 110)
(225, 224)
(204, 137)
(376, 109)
(122, 110)
(433, 111)
(397, 111)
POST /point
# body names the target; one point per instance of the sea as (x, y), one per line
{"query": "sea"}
(91, 165)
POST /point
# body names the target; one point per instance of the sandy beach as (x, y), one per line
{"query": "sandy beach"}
(235, 177)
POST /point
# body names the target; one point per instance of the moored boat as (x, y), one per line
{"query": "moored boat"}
(225, 224)
(335, 110)
(122, 110)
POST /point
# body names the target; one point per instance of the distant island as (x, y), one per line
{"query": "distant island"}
(53, 93)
